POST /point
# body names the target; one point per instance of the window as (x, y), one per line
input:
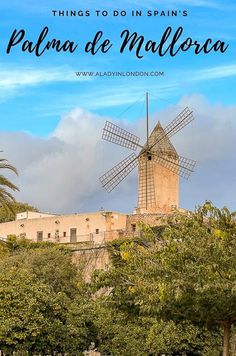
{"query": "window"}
(39, 236)
(97, 231)
(64, 234)
(133, 227)
(49, 235)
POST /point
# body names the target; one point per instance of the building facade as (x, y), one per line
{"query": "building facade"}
(74, 228)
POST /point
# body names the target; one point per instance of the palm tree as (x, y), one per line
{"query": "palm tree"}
(6, 198)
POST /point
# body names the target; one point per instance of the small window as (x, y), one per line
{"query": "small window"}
(97, 231)
(133, 227)
(39, 236)
(49, 235)
(64, 234)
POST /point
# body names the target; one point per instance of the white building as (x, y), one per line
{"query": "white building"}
(73, 228)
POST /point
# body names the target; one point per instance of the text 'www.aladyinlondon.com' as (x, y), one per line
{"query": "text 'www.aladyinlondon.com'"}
(121, 74)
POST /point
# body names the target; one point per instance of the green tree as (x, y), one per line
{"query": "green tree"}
(44, 305)
(16, 244)
(3, 249)
(6, 198)
(182, 338)
(118, 333)
(23, 302)
(52, 265)
(188, 274)
(121, 332)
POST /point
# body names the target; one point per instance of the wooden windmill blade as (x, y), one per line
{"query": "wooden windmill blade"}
(119, 136)
(116, 174)
(179, 165)
(181, 120)
(158, 150)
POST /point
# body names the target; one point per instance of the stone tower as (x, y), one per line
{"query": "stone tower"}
(158, 187)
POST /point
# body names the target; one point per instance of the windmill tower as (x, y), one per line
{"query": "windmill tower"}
(158, 187)
(159, 165)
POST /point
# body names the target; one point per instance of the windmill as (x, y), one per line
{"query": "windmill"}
(159, 165)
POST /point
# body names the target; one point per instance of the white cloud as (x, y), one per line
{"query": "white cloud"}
(14, 78)
(210, 140)
(60, 173)
(216, 72)
(212, 134)
(28, 76)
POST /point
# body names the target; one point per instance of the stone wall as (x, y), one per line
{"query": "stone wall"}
(90, 259)
(151, 219)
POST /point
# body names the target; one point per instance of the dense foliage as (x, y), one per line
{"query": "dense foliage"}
(42, 308)
(186, 273)
(170, 293)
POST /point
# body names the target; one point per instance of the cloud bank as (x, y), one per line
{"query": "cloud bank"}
(60, 173)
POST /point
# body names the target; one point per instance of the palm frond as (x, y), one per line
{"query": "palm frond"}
(5, 165)
(6, 198)
(5, 182)
(5, 193)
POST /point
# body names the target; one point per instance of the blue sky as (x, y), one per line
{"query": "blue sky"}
(37, 94)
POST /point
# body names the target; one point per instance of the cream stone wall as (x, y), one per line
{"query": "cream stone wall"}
(163, 189)
(166, 189)
(93, 227)
(32, 215)
(151, 219)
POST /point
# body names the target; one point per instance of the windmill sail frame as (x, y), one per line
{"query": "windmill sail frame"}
(151, 153)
